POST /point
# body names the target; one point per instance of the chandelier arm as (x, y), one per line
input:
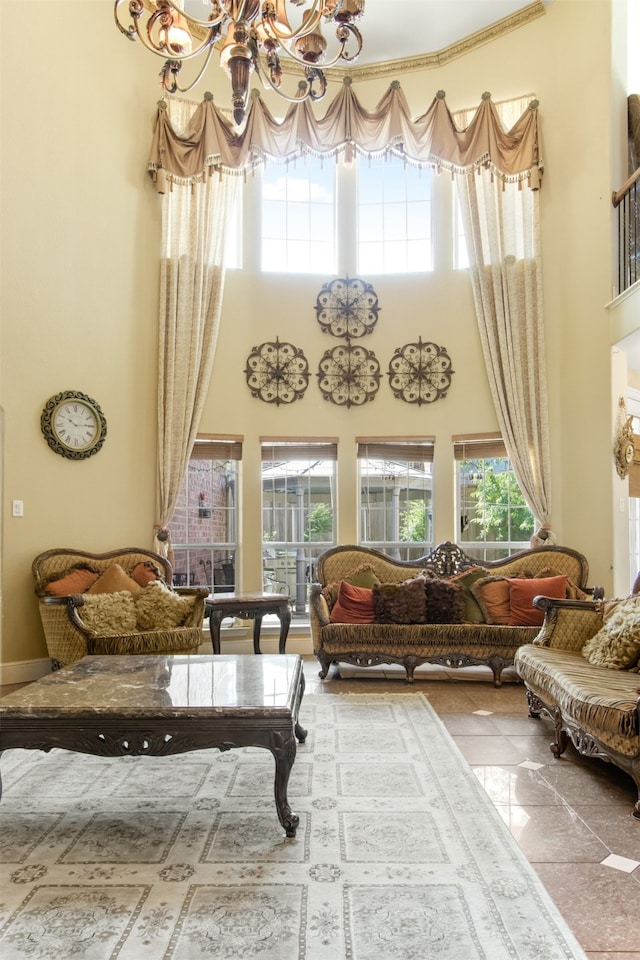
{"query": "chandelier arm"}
(312, 74)
(172, 67)
(143, 33)
(341, 55)
(212, 20)
(312, 20)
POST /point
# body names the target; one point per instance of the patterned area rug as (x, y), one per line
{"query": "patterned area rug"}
(399, 854)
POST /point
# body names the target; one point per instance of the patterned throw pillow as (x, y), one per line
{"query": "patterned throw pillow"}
(145, 573)
(109, 614)
(159, 608)
(617, 644)
(400, 602)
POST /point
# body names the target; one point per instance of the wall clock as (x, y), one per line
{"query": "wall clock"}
(349, 375)
(624, 448)
(347, 308)
(420, 372)
(73, 425)
(277, 372)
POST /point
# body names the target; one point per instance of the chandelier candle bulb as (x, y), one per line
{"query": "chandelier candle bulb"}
(250, 37)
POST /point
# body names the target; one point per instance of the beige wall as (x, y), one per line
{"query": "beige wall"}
(79, 227)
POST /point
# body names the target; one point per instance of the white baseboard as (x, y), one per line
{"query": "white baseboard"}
(23, 671)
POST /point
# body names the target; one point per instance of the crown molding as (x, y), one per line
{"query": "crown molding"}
(426, 61)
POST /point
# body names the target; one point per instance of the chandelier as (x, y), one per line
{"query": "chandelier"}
(249, 35)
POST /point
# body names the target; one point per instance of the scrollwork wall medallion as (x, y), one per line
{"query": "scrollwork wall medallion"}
(349, 375)
(347, 308)
(420, 372)
(277, 372)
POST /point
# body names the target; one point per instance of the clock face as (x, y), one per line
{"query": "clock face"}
(75, 424)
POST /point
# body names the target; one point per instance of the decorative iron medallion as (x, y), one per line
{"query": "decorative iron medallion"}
(349, 375)
(277, 372)
(347, 308)
(420, 372)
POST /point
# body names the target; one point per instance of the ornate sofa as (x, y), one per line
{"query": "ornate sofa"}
(594, 706)
(471, 639)
(120, 602)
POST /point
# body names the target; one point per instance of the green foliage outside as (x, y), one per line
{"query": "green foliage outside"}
(319, 524)
(413, 522)
(501, 511)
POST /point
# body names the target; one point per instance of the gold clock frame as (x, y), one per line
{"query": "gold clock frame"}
(49, 432)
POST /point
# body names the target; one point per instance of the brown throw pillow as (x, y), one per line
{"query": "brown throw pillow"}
(400, 602)
(76, 581)
(354, 605)
(113, 580)
(445, 602)
(522, 592)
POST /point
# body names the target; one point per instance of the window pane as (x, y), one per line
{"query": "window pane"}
(394, 205)
(303, 211)
(371, 223)
(396, 506)
(203, 526)
(395, 222)
(371, 258)
(297, 221)
(274, 213)
(297, 522)
(494, 517)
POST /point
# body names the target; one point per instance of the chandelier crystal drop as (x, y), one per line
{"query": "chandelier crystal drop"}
(249, 36)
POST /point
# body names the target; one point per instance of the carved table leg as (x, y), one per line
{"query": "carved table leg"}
(284, 615)
(257, 624)
(284, 755)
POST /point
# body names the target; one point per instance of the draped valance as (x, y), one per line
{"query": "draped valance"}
(210, 142)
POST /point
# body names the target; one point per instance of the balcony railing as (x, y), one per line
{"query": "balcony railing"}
(627, 202)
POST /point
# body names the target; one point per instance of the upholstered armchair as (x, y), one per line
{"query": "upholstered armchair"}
(120, 602)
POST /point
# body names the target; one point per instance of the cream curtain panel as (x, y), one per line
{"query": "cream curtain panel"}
(501, 226)
(195, 217)
(498, 168)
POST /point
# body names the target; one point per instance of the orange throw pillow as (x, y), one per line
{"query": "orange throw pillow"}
(145, 573)
(492, 595)
(113, 580)
(522, 592)
(354, 605)
(77, 581)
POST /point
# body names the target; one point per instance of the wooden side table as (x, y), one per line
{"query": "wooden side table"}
(250, 606)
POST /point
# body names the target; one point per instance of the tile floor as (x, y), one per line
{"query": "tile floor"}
(571, 817)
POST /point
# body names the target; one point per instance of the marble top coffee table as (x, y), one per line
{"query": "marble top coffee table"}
(161, 705)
